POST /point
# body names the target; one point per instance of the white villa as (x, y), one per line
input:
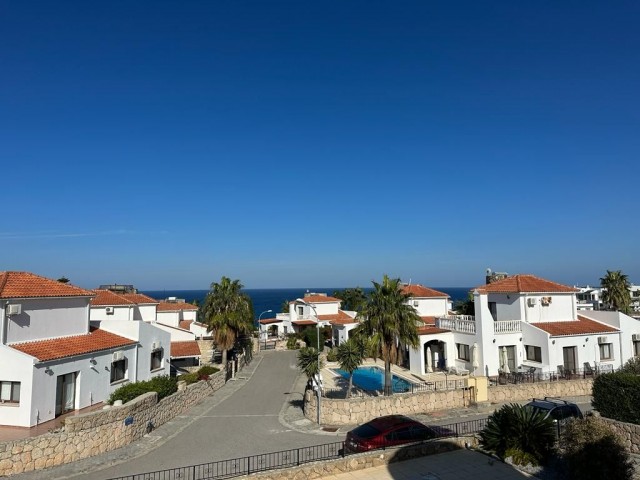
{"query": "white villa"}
(123, 304)
(523, 323)
(54, 359)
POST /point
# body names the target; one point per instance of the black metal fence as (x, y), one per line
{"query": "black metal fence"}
(283, 459)
(537, 376)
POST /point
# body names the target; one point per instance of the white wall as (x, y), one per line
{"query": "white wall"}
(417, 362)
(628, 326)
(146, 313)
(562, 308)
(430, 307)
(121, 313)
(177, 334)
(508, 306)
(169, 318)
(43, 318)
(537, 338)
(308, 312)
(16, 367)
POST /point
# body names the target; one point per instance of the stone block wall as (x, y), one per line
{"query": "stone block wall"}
(629, 432)
(355, 411)
(101, 431)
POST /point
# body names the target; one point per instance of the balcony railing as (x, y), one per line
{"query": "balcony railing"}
(507, 326)
(457, 323)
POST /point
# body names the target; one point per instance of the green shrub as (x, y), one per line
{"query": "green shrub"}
(518, 457)
(591, 449)
(332, 355)
(292, 341)
(207, 370)
(310, 335)
(632, 366)
(163, 385)
(617, 396)
(516, 428)
(189, 378)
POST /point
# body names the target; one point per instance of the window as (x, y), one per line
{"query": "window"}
(606, 351)
(156, 359)
(636, 349)
(118, 370)
(534, 354)
(300, 311)
(463, 351)
(9, 392)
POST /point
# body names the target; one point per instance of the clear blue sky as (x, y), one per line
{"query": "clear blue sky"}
(290, 144)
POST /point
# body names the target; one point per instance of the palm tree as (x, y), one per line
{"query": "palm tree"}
(309, 362)
(389, 322)
(228, 312)
(616, 291)
(350, 355)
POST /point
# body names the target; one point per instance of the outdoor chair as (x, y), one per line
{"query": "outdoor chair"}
(561, 372)
(588, 371)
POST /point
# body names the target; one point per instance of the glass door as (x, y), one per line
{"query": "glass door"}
(65, 393)
(569, 358)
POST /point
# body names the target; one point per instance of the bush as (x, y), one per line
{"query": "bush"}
(292, 341)
(202, 373)
(520, 432)
(310, 335)
(163, 385)
(207, 370)
(332, 355)
(591, 449)
(617, 396)
(632, 366)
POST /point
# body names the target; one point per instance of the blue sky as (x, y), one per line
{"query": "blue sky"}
(290, 144)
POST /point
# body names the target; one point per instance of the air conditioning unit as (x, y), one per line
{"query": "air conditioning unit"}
(416, 303)
(117, 356)
(155, 346)
(109, 310)
(603, 340)
(545, 301)
(635, 337)
(14, 309)
(531, 301)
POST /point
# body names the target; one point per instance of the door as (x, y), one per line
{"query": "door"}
(511, 357)
(65, 393)
(569, 358)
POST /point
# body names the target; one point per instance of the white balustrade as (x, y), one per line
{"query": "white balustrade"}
(507, 326)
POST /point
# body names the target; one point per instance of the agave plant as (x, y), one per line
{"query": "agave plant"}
(521, 430)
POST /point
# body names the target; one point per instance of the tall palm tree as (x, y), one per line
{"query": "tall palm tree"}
(309, 362)
(350, 355)
(228, 312)
(616, 291)
(389, 322)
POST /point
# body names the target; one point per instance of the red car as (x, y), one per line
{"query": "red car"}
(387, 431)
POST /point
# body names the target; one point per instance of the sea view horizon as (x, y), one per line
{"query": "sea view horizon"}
(265, 299)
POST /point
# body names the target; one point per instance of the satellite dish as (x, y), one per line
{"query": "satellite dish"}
(488, 271)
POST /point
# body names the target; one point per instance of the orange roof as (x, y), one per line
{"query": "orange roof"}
(320, 299)
(430, 330)
(341, 318)
(582, 326)
(525, 284)
(185, 349)
(269, 321)
(25, 285)
(175, 306)
(428, 320)
(108, 298)
(94, 341)
(303, 322)
(185, 324)
(421, 291)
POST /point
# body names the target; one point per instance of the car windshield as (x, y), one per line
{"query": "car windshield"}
(366, 431)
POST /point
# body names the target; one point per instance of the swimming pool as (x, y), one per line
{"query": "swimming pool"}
(372, 378)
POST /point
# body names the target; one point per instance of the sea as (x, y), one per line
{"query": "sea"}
(265, 299)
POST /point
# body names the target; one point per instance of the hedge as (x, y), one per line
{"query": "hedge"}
(617, 396)
(202, 374)
(163, 385)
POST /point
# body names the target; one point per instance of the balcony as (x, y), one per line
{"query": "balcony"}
(457, 323)
(507, 326)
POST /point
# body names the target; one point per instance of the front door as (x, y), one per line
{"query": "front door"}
(569, 358)
(511, 357)
(65, 393)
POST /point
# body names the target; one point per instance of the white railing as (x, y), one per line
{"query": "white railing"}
(457, 324)
(507, 326)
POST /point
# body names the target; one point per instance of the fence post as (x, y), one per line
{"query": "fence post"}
(248, 465)
(456, 430)
(298, 454)
(193, 473)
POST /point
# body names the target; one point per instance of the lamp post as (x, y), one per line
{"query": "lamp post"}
(259, 332)
(318, 392)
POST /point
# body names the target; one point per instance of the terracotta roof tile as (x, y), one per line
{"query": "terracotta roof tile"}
(582, 326)
(303, 322)
(94, 341)
(421, 291)
(430, 330)
(320, 299)
(341, 318)
(140, 298)
(108, 298)
(525, 284)
(175, 306)
(428, 320)
(185, 349)
(185, 324)
(28, 285)
(269, 321)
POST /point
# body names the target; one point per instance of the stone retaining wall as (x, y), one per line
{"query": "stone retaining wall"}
(364, 460)
(360, 410)
(101, 431)
(629, 432)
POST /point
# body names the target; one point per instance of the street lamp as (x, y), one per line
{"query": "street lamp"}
(259, 332)
(319, 394)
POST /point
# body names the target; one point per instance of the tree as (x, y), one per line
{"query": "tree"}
(616, 294)
(284, 308)
(591, 449)
(228, 312)
(465, 307)
(353, 299)
(389, 322)
(350, 356)
(309, 362)
(520, 432)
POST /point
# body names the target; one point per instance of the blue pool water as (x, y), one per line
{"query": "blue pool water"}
(372, 378)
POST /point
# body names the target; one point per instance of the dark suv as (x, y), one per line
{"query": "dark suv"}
(558, 410)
